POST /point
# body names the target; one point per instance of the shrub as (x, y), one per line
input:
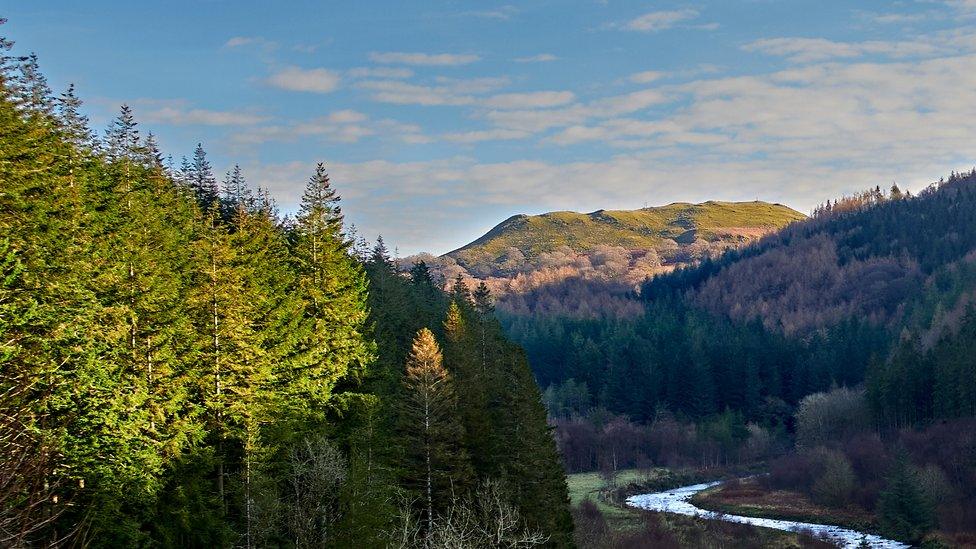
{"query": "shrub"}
(836, 480)
(833, 416)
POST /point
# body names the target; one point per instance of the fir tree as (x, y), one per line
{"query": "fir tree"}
(333, 287)
(434, 461)
(73, 123)
(903, 510)
(35, 94)
(122, 137)
(201, 179)
(236, 194)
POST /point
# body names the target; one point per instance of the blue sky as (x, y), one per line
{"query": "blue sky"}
(439, 119)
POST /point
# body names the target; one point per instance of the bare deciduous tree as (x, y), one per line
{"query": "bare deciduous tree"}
(316, 474)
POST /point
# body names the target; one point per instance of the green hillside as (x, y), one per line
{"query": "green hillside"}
(647, 228)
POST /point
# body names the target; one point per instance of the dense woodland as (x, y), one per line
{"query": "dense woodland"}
(182, 366)
(863, 314)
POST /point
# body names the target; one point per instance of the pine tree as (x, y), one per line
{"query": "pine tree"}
(420, 274)
(903, 510)
(122, 137)
(35, 94)
(201, 179)
(460, 292)
(8, 64)
(236, 194)
(151, 157)
(434, 461)
(485, 307)
(471, 386)
(333, 287)
(73, 123)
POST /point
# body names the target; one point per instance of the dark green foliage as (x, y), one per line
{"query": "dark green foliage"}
(190, 370)
(504, 422)
(903, 509)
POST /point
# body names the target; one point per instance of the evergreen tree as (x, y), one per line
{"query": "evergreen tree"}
(236, 193)
(122, 137)
(420, 274)
(434, 461)
(151, 156)
(460, 292)
(73, 123)
(35, 94)
(903, 510)
(201, 179)
(333, 287)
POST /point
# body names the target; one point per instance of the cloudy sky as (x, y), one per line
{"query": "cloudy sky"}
(438, 119)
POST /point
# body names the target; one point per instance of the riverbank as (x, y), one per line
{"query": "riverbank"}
(603, 520)
(677, 501)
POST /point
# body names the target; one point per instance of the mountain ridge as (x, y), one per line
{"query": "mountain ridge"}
(664, 229)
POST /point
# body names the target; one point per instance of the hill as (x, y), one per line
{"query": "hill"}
(669, 230)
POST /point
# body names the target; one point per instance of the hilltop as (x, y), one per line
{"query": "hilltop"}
(668, 230)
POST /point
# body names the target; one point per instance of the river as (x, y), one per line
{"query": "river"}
(676, 501)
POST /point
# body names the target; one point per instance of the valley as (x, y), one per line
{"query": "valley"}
(249, 298)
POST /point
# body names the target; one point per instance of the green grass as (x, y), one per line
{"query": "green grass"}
(646, 228)
(590, 486)
(623, 521)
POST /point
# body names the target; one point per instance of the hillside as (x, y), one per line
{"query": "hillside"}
(666, 229)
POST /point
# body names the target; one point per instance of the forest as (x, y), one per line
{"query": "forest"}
(835, 354)
(181, 365)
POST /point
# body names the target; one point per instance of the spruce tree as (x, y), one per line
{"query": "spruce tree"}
(35, 94)
(73, 123)
(201, 179)
(122, 137)
(903, 510)
(434, 462)
(235, 193)
(333, 288)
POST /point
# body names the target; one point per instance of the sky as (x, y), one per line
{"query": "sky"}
(439, 119)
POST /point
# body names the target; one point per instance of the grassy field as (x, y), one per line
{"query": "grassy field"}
(628, 527)
(590, 486)
(749, 498)
(646, 228)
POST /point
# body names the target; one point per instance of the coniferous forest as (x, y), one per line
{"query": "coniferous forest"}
(185, 364)
(181, 366)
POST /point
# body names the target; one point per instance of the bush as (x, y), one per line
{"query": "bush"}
(836, 480)
(833, 416)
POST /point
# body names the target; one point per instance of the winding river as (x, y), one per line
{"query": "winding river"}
(676, 501)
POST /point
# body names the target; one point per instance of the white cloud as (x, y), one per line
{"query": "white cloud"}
(343, 126)
(178, 112)
(659, 20)
(447, 91)
(346, 116)
(423, 59)
(305, 80)
(485, 135)
(242, 41)
(802, 50)
(535, 121)
(380, 72)
(530, 100)
(540, 58)
(238, 41)
(646, 77)
(204, 117)
(502, 13)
